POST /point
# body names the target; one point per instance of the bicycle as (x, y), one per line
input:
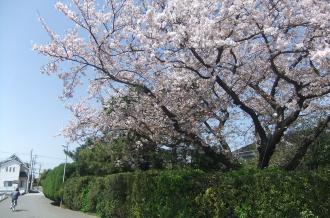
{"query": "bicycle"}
(13, 205)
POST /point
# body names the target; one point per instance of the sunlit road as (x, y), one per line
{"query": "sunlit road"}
(37, 206)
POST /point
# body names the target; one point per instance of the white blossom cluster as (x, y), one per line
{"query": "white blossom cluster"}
(171, 69)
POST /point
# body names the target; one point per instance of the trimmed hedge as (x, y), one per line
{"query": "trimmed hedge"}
(53, 181)
(267, 194)
(52, 184)
(193, 193)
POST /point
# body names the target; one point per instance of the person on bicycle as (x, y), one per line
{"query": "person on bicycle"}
(14, 197)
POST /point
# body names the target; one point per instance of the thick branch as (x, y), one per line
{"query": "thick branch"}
(306, 143)
(258, 127)
(193, 138)
(199, 58)
(268, 98)
(220, 138)
(275, 84)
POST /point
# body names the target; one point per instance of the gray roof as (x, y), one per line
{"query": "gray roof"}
(247, 151)
(14, 158)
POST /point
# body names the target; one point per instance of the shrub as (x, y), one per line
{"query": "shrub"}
(166, 193)
(193, 193)
(75, 193)
(114, 195)
(267, 193)
(53, 181)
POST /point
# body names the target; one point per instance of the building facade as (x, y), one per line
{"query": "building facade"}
(13, 174)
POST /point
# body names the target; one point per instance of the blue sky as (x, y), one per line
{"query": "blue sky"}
(31, 114)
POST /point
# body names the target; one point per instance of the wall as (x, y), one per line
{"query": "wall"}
(9, 176)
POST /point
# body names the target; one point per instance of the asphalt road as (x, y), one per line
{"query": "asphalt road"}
(37, 206)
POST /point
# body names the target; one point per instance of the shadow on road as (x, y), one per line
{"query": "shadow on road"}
(19, 211)
(54, 203)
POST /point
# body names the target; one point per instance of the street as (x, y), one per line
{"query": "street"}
(37, 206)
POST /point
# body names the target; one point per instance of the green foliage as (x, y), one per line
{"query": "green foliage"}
(104, 157)
(113, 196)
(52, 181)
(130, 151)
(267, 193)
(96, 160)
(165, 193)
(318, 154)
(44, 174)
(135, 194)
(193, 193)
(75, 193)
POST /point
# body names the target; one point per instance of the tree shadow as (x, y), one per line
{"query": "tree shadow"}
(55, 203)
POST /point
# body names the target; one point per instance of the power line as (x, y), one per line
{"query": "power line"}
(50, 157)
(8, 152)
(38, 155)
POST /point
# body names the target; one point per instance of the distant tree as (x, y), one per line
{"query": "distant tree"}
(44, 173)
(106, 155)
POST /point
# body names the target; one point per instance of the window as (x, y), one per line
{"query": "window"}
(8, 183)
(21, 185)
(9, 169)
(13, 169)
(6, 169)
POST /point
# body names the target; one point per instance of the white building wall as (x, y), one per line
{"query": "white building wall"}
(12, 174)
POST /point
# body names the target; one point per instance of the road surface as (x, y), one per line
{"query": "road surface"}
(37, 206)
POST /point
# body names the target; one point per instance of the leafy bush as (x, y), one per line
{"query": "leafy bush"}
(53, 181)
(135, 194)
(193, 193)
(166, 193)
(75, 193)
(113, 195)
(267, 193)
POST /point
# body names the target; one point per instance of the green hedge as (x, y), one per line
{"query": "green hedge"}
(53, 181)
(193, 193)
(267, 194)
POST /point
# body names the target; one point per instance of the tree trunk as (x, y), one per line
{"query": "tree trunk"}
(266, 150)
(174, 156)
(265, 153)
(218, 157)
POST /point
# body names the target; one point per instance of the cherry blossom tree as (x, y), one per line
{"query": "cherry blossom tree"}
(270, 57)
(177, 70)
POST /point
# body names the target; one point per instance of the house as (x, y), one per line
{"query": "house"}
(246, 152)
(13, 174)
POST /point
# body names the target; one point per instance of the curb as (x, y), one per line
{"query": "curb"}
(3, 198)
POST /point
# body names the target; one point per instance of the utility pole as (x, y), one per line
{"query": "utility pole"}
(29, 172)
(39, 174)
(66, 159)
(32, 172)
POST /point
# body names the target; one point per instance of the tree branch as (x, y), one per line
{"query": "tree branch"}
(258, 127)
(306, 143)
